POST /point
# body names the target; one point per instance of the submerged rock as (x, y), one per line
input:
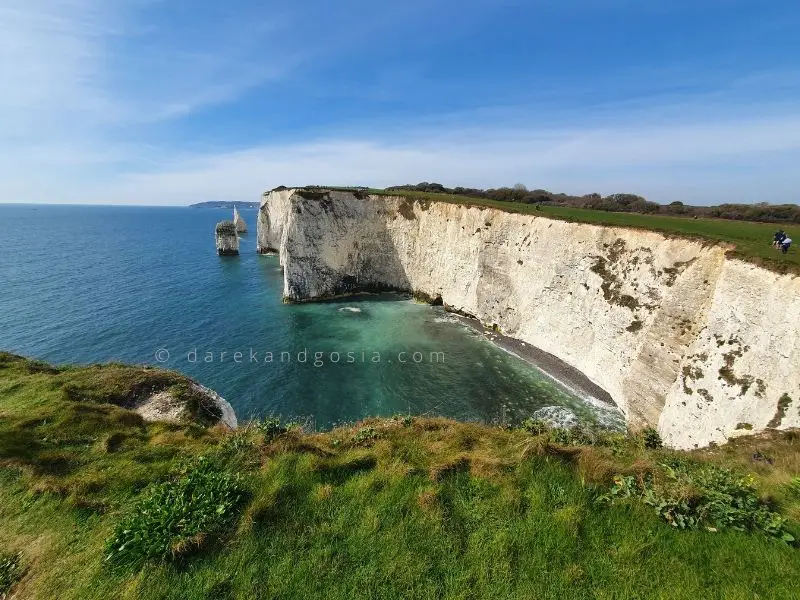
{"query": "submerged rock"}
(556, 416)
(227, 239)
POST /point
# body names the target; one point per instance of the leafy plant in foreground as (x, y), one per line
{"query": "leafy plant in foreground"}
(690, 496)
(176, 517)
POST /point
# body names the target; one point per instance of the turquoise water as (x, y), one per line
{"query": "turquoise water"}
(144, 285)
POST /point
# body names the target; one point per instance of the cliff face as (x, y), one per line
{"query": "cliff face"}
(684, 339)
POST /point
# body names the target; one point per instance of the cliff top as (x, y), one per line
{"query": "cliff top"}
(751, 240)
(96, 502)
(224, 204)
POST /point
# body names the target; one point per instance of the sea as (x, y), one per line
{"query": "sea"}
(144, 285)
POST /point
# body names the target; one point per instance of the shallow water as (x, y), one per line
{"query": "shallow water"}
(144, 285)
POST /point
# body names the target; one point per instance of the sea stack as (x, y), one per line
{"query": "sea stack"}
(241, 226)
(227, 239)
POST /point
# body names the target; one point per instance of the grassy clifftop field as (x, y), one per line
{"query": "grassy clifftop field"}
(752, 240)
(97, 503)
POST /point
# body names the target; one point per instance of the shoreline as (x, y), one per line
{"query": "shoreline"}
(550, 365)
(563, 374)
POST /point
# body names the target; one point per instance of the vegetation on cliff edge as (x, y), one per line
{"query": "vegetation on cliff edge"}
(96, 503)
(225, 228)
(751, 241)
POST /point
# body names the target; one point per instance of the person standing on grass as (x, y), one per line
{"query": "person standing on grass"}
(785, 243)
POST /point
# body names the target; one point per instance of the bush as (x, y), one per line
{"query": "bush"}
(652, 439)
(10, 572)
(576, 436)
(693, 496)
(535, 426)
(580, 435)
(271, 427)
(365, 435)
(174, 518)
(631, 203)
(406, 420)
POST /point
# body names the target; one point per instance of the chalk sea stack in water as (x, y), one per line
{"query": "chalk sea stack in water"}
(241, 226)
(227, 239)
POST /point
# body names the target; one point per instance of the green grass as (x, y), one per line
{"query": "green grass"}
(389, 508)
(752, 240)
(10, 572)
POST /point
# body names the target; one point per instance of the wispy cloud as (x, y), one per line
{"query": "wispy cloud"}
(732, 158)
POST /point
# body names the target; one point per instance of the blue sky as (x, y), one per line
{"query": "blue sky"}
(179, 101)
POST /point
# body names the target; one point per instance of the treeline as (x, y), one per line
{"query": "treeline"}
(763, 211)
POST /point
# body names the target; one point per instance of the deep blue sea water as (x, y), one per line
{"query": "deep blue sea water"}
(85, 284)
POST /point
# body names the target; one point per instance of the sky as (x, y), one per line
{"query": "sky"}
(169, 102)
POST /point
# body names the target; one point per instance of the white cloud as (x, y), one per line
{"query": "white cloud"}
(699, 162)
(90, 88)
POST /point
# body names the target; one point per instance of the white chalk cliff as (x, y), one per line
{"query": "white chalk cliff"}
(241, 225)
(701, 346)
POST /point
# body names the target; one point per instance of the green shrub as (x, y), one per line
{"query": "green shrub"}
(406, 420)
(237, 442)
(535, 426)
(271, 427)
(176, 517)
(652, 439)
(365, 435)
(562, 436)
(10, 572)
(693, 496)
(575, 436)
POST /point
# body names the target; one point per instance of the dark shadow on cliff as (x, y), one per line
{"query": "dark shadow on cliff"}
(373, 263)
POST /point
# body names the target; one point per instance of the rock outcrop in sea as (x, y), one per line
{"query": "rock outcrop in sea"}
(684, 337)
(227, 239)
(241, 226)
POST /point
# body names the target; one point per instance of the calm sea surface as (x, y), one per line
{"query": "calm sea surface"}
(144, 285)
